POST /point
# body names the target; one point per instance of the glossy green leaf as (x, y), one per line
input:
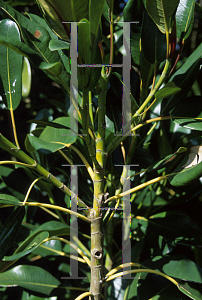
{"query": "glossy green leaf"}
(52, 135)
(185, 176)
(10, 67)
(37, 240)
(53, 69)
(168, 90)
(26, 77)
(20, 48)
(63, 53)
(161, 12)
(10, 230)
(153, 41)
(32, 278)
(37, 36)
(36, 144)
(187, 110)
(184, 78)
(58, 45)
(185, 18)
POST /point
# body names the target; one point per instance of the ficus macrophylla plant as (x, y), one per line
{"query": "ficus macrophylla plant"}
(92, 191)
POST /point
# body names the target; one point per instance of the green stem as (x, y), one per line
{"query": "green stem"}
(91, 110)
(98, 198)
(85, 123)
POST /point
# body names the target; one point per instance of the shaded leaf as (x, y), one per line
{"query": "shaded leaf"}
(152, 286)
(177, 227)
(34, 243)
(187, 110)
(184, 78)
(10, 230)
(153, 41)
(147, 70)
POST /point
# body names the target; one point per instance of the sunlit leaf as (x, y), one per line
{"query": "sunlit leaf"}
(26, 77)
(10, 67)
(161, 12)
(32, 278)
(185, 18)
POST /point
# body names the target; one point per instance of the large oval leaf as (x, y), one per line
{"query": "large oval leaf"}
(161, 12)
(185, 18)
(52, 139)
(30, 277)
(37, 35)
(185, 176)
(10, 67)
